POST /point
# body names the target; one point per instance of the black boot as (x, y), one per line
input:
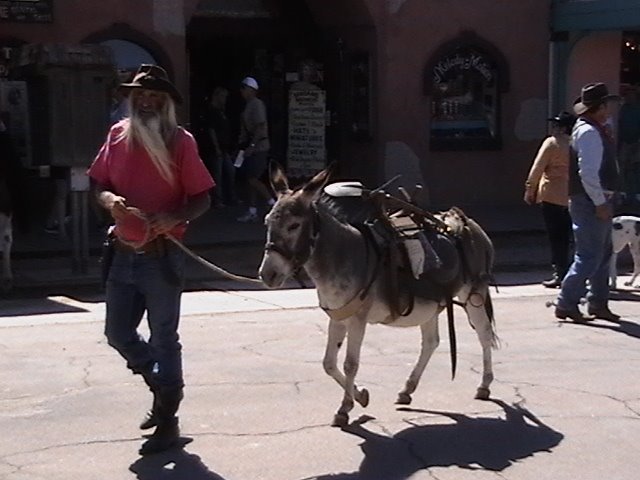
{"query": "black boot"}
(555, 281)
(150, 419)
(167, 432)
(165, 437)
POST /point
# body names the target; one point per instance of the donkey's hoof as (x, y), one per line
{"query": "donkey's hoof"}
(403, 399)
(363, 397)
(340, 420)
(483, 393)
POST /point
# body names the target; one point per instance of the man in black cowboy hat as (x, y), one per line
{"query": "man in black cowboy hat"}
(593, 178)
(149, 177)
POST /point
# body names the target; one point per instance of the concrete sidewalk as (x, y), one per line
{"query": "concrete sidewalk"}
(44, 264)
(565, 402)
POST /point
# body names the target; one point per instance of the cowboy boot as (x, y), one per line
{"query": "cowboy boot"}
(556, 279)
(603, 313)
(150, 419)
(167, 431)
(574, 314)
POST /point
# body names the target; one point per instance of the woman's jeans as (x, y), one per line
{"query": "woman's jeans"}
(147, 282)
(558, 223)
(592, 257)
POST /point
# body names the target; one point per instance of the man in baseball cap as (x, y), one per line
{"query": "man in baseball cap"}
(251, 83)
(254, 145)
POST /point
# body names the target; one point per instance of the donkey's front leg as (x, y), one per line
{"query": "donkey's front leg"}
(337, 333)
(355, 333)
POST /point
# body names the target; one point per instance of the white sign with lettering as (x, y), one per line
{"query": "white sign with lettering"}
(306, 151)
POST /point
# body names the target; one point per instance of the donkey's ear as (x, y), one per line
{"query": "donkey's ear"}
(278, 179)
(314, 185)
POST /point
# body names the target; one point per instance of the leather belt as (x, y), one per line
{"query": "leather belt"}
(155, 248)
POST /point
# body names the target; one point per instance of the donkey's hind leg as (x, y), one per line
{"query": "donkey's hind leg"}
(337, 333)
(430, 341)
(480, 313)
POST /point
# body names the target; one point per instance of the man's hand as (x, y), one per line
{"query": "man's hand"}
(115, 204)
(162, 223)
(604, 212)
(529, 197)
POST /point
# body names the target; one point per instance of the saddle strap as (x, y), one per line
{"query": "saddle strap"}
(452, 337)
(351, 308)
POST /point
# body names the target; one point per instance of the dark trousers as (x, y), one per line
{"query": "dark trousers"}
(558, 223)
(139, 283)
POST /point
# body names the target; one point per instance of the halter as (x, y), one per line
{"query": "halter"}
(298, 259)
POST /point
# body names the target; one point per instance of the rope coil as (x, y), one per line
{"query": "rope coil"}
(149, 235)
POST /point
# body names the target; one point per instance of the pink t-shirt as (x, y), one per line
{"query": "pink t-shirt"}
(131, 174)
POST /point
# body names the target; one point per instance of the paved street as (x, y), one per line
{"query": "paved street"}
(565, 403)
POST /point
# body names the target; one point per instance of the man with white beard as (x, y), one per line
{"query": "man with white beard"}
(149, 177)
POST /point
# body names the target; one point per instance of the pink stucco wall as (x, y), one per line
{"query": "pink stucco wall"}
(74, 21)
(594, 58)
(402, 36)
(408, 34)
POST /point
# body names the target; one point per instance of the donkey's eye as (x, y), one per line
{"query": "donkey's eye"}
(293, 226)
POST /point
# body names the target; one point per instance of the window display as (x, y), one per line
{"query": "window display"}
(464, 101)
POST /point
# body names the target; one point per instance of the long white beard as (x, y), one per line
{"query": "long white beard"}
(148, 134)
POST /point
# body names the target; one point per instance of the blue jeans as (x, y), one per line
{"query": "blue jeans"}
(139, 283)
(592, 257)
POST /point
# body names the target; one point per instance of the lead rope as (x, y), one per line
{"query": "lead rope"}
(208, 264)
(211, 266)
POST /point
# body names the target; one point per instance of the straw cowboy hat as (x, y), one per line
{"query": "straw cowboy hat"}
(592, 95)
(153, 77)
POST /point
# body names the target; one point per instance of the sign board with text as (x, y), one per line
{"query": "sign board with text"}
(26, 11)
(306, 152)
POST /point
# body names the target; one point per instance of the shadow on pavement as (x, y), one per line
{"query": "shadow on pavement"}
(174, 464)
(39, 306)
(621, 326)
(626, 295)
(473, 443)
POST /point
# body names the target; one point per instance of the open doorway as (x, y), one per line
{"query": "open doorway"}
(271, 48)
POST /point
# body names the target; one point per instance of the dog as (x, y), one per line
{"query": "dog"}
(626, 231)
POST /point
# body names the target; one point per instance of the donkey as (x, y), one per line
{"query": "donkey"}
(305, 232)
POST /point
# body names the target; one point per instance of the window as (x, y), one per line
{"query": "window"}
(464, 85)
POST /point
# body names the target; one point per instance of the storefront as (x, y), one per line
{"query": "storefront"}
(448, 96)
(598, 41)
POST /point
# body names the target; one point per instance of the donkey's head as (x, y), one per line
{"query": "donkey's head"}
(292, 227)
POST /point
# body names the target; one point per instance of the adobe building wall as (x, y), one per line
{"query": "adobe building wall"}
(409, 32)
(156, 25)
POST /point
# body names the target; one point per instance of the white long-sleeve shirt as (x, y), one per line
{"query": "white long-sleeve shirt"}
(587, 143)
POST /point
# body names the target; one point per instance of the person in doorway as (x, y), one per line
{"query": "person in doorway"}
(219, 134)
(149, 177)
(13, 180)
(548, 184)
(254, 148)
(593, 178)
(629, 141)
(58, 219)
